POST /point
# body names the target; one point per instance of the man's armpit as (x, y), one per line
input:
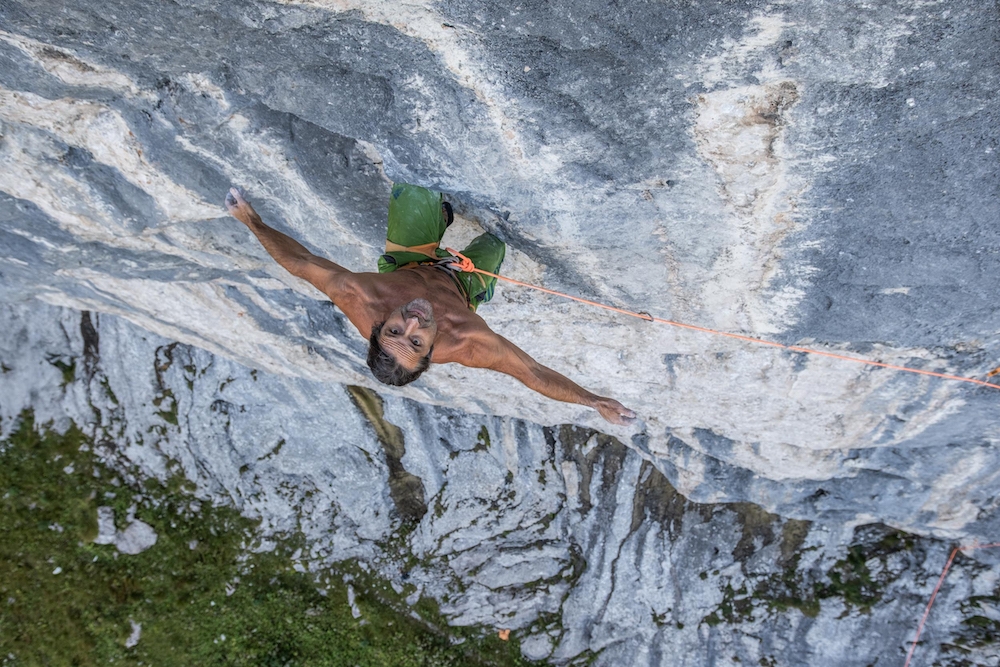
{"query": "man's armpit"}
(332, 279)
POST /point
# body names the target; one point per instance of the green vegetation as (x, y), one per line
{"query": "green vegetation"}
(850, 580)
(167, 401)
(483, 440)
(199, 595)
(736, 607)
(978, 630)
(68, 369)
(789, 591)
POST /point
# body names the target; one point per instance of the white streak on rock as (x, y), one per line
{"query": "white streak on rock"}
(952, 500)
(70, 68)
(763, 33)
(739, 132)
(420, 21)
(299, 204)
(101, 131)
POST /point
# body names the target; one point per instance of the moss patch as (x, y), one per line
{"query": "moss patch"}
(200, 597)
(736, 606)
(978, 629)
(66, 366)
(656, 498)
(483, 440)
(757, 524)
(850, 579)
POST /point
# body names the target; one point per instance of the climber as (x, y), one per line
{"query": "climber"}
(416, 310)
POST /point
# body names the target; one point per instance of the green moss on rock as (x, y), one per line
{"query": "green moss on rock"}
(200, 596)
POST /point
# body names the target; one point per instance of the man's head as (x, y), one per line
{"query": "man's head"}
(400, 347)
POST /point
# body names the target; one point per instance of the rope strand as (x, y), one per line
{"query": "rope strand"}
(944, 573)
(465, 264)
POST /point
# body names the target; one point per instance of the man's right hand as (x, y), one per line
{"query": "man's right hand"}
(614, 412)
(238, 207)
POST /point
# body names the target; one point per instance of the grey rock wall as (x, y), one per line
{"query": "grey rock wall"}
(564, 535)
(822, 173)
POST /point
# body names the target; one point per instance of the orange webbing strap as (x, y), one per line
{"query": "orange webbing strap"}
(944, 573)
(424, 249)
(465, 264)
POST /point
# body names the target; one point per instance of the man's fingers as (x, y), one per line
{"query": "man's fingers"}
(615, 412)
(234, 198)
(626, 417)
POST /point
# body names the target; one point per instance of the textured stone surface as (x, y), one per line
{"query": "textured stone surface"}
(136, 537)
(565, 535)
(823, 172)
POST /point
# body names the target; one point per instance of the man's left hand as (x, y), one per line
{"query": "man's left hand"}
(614, 412)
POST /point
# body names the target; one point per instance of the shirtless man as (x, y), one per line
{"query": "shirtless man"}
(416, 311)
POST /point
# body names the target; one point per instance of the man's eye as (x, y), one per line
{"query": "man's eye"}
(416, 342)
(394, 332)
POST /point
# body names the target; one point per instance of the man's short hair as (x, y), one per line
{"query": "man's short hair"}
(384, 366)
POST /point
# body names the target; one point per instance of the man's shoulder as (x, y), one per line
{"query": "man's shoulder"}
(469, 341)
(363, 283)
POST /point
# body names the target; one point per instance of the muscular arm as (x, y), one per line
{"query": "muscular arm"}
(505, 357)
(289, 253)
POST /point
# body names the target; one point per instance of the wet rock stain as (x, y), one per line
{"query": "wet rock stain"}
(405, 488)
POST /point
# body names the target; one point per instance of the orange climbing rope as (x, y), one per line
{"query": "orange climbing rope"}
(465, 264)
(944, 572)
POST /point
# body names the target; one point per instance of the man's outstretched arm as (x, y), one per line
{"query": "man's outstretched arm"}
(286, 251)
(508, 358)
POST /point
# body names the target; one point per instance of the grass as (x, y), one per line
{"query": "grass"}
(67, 601)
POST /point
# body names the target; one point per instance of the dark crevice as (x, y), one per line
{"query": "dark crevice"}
(91, 341)
(405, 488)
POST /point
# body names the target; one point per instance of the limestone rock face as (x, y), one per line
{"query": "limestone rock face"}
(564, 535)
(815, 173)
(134, 539)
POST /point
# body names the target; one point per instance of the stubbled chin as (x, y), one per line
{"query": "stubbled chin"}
(422, 311)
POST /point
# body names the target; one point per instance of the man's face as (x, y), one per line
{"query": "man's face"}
(409, 332)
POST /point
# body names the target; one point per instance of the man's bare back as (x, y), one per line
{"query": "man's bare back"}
(417, 315)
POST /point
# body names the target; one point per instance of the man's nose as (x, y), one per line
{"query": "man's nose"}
(412, 324)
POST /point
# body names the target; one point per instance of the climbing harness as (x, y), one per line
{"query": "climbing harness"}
(459, 264)
(424, 249)
(462, 263)
(944, 572)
